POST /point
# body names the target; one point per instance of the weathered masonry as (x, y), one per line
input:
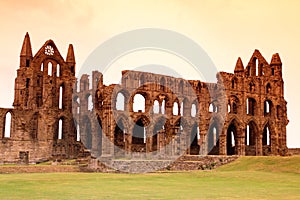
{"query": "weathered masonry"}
(244, 113)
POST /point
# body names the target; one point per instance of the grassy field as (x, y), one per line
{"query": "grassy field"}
(246, 178)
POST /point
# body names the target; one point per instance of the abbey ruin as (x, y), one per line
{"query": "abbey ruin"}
(244, 113)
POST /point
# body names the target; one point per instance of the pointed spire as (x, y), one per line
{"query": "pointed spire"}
(26, 47)
(276, 59)
(239, 67)
(70, 55)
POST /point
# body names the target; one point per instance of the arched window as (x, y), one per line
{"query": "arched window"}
(267, 107)
(234, 108)
(7, 125)
(211, 108)
(49, 68)
(90, 103)
(251, 106)
(60, 129)
(193, 110)
(58, 70)
(78, 133)
(228, 108)
(120, 103)
(232, 139)
(156, 107)
(27, 62)
(163, 107)
(194, 137)
(254, 67)
(268, 88)
(266, 136)
(78, 105)
(213, 139)
(77, 86)
(90, 83)
(61, 91)
(139, 136)
(248, 135)
(215, 135)
(251, 135)
(232, 83)
(42, 67)
(181, 108)
(175, 108)
(138, 103)
(72, 69)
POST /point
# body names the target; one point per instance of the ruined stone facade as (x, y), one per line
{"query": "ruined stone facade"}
(42, 100)
(244, 113)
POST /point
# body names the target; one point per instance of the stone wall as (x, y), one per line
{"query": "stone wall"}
(243, 113)
(294, 151)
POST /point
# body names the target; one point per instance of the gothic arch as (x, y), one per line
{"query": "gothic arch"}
(194, 137)
(234, 105)
(231, 137)
(251, 106)
(267, 133)
(125, 93)
(213, 137)
(146, 97)
(268, 88)
(124, 119)
(268, 107)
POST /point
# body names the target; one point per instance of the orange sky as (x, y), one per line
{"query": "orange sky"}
(225, 29)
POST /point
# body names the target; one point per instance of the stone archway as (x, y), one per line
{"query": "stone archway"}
(266, 140)
(139, 136)
(119, 139)
(194, 146)
(213, 139)
(251, 139)
(159, 126)
(231, 139)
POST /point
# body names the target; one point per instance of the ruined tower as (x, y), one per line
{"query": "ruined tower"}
(42, 124)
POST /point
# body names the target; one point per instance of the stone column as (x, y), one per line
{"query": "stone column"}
(259, 146)
(161, 141)
(128, 142)
(149, 134)
(222, 143)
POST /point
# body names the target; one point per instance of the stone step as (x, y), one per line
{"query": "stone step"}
(187, 162)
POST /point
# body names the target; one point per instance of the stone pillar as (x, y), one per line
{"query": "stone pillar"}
(259, 146)
(222, 144)
(176, 145)
(203, 144)
(161, 141)
(242, 147)
(95, 139)
(128, 142)
(238, 145)
(149, 139)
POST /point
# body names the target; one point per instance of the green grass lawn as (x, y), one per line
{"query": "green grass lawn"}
(246, 178)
